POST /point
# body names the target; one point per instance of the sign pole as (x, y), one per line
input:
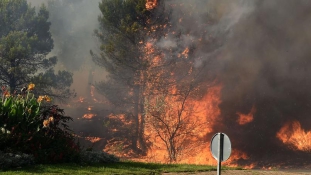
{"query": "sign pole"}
(220, 152)
(220, 148)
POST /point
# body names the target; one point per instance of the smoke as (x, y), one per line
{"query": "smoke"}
(37, 3)
(259, 51)
(265, 63)
(72, 28)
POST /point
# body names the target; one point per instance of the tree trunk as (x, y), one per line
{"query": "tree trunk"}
(141, 138)
(139, 143)
(12, 84)
(136, 119)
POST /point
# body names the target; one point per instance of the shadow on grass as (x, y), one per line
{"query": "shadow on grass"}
(120, 167)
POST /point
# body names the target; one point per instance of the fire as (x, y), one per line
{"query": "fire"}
(246, 118)
(184, 53)
(250, 166)
(206, 113)
(89, 116)
(81, 99)
(93, 139)
(121, 117)
(238, 155)
(295, 137)
(93, 96)
(151, 4)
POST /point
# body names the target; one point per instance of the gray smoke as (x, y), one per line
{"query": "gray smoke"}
(265, 62)
(72, 28)
(259, 51)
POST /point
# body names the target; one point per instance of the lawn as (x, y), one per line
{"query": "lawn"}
(111, 168)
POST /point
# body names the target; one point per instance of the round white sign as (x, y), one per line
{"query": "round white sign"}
(224, 147)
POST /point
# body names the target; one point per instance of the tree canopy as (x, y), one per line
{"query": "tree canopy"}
(25, 42)
(147, 56)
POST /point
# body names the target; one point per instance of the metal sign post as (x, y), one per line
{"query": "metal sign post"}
(221, 149)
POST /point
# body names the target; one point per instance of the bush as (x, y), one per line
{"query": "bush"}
(9, 160)
(91, 157)
(33, 126)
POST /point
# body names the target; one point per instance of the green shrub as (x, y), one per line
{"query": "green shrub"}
(91, 157)
(33, 126)
(9, 160)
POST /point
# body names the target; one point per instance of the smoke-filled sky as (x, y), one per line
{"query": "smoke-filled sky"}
(72, 26)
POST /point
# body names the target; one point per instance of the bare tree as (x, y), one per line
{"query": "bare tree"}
(172, 118)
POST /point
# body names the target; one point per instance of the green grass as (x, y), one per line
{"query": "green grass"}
(111, 168)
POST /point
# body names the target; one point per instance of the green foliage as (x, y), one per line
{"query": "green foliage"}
(25, 42)
(33, 126)
(95, 157)
(121, 31)
(9, 160)
(50, 83)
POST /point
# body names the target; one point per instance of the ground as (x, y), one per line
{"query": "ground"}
(249, 172)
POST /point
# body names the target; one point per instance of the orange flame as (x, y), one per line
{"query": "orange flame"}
(89, 116)
(246, 118)
(295, 137)
(93, 139)
(237, 155)
(81, 99)
(206, 111)
(185, 52)
(151, 4)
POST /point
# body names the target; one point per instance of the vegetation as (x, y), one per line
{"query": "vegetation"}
(121, 34)
(33, 126)
(25, 42)
(130, 34)
(148, 58)
(9, 160)
(113, 168)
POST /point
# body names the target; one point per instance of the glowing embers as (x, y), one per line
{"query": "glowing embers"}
(151, 4)
(93, 139)
(295, 137)
(185, 53)
(246, 118)
(81, 99)
(89, 116)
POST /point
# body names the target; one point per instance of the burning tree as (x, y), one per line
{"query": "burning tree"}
(121, 32)
(172, 119)
(147, 58)
(24, 45)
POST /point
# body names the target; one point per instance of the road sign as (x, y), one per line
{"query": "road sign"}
(220, 148)
(225, 146)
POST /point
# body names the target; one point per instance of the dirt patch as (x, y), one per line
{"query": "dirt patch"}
(249, 172)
